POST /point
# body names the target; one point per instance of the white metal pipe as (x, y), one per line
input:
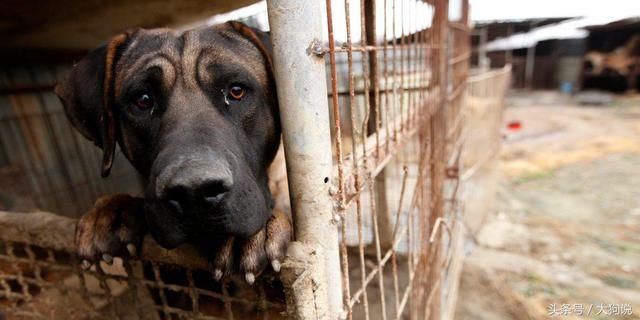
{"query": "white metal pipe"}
(296, 29)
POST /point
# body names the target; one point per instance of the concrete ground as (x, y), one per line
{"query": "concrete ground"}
(565, 230)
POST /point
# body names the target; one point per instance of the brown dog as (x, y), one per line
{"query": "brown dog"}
(196, 114)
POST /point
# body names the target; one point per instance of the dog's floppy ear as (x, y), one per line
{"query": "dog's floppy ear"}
(87, 96)
(258, 38)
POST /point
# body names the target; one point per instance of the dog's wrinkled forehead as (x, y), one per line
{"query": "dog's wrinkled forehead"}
(186, 57)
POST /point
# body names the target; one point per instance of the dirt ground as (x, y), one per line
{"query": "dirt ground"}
(565, 229)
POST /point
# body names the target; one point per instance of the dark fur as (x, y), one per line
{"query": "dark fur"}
(205, 159)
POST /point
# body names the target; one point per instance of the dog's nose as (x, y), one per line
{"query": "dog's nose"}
(210, 191)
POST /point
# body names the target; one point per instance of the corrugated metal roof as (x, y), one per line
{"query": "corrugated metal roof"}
(570, 29)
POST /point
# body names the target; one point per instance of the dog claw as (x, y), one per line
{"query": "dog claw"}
(85, 265)
(107, 258)
(250, 278)
(110, 229)
(217, 274)
(275, 264)
(132, 249)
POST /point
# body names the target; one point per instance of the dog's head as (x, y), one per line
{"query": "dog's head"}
(195, 113)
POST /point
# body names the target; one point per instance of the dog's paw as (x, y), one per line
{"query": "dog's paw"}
(251, 256)
(115, 226)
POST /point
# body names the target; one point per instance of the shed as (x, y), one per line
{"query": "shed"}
(612, 60)
(548, 56)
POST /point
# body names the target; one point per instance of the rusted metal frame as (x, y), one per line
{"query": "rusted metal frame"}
(455, 127)
(341, 181)
(402, 70)
(374, 218)
(356, 172)
(417, 62)
(457, 92)
(407, 294)
(444, 265)
(335, 103)
(460, 58)
(20, 277)
(422, 199)
(366, 48)
(368, 24)
(437, 135)
(416, 204)
(394, 147)
(410, 59)
(361, 92)
(199, 291)
(394, 74)
(48, 230)
(459, 25)
(385, 259)
(418, 66)
(419, 203)
(378, 186)
(344, 258)
(424, 100)
(385, 75)
(131, 267)
(394, 264)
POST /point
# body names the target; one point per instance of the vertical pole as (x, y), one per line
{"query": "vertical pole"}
(296, 30)
(382, 208)
(509, 52)
(482, 48)
(438, 134)
(528, 72)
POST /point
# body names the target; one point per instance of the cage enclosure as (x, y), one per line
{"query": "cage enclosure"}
(375, 102)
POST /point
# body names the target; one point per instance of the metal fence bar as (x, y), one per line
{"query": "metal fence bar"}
(296, 28)
(437, 137)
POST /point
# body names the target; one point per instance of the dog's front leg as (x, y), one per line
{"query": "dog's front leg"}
(251, 256)
(115, 226)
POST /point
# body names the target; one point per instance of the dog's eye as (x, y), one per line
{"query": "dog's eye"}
(144, 101)
(237, 92)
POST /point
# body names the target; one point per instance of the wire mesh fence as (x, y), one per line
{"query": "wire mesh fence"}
(41, 279)
(397, 154)
(396, 81)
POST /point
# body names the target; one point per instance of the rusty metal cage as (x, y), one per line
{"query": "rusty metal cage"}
(374, 160)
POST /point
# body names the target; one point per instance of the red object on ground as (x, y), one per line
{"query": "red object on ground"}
(514, 125)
